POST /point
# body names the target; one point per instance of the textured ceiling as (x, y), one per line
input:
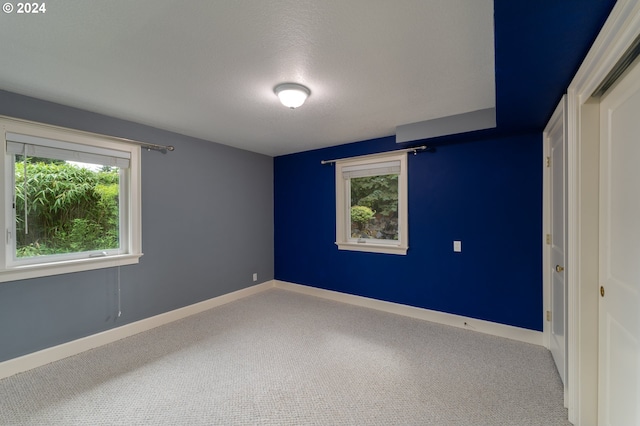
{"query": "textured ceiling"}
(207, 68)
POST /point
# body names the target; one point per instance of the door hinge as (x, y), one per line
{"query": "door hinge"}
(547, 161)
(549, 316)
(548, 238)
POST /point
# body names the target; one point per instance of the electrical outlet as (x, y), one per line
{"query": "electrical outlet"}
(457, 246)
(255, 276)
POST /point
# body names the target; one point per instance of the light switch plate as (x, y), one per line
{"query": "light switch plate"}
(457, 246)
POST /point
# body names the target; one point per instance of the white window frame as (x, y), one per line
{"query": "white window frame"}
(344, 241)
(130, 214)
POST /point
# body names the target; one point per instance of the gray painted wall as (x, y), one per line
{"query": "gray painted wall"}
(207, 226)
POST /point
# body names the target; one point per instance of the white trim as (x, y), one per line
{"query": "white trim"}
(24, 272)
(56, 353)
(487, 327)
(343, 201)
(375, 246)
(130, 202)
(82, 136)
(617, 34)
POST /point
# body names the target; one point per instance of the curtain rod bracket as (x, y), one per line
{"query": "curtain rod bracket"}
(162, 148)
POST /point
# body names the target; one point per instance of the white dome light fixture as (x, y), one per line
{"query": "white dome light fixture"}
(292, 95)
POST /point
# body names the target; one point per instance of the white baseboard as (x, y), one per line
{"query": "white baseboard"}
(487, 327)
(55, 353)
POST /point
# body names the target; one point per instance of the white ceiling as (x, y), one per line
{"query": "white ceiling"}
(208, 68)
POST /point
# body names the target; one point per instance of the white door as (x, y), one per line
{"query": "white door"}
(557, 226)
(619, 308)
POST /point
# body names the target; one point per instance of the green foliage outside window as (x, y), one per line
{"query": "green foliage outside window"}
(374, 211)
(379, 193)
(70, 208)
(361, 215)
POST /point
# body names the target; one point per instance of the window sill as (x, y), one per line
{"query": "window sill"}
(65, 267)
(373, 248)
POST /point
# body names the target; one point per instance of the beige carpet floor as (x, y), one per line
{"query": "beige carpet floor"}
(282, 358)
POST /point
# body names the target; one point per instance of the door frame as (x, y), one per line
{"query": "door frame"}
(618, 33)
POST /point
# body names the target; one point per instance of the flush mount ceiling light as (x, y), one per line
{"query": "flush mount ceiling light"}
(292, 95)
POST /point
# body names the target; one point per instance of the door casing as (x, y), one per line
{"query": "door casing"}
(618, 33)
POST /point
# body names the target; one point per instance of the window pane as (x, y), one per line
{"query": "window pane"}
(374, 207)
(71, 207)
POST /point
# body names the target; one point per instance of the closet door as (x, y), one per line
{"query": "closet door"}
(619, 251)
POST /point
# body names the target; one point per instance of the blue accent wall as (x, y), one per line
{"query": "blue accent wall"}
(486, 193)
(483, 188)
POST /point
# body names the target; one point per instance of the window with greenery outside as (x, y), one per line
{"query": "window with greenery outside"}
(71, 207)
(374, 207)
